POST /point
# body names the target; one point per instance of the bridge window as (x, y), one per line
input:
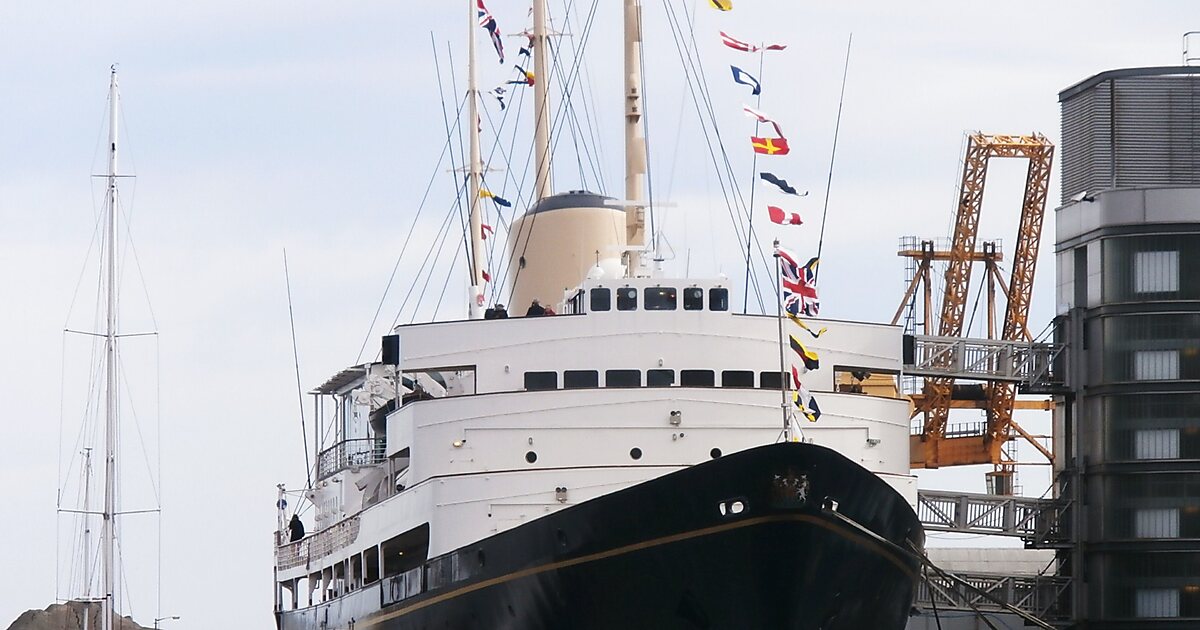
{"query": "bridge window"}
(693, 299)
(771, 380)
(697, 378)
(718, 299)
(737, 378)
(541, 380)
(579, 379)
(660, 299)
(622, 378)
(627, 299)
(660, 378)
(601, 300)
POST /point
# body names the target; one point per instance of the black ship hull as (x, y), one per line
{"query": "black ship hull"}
(773, 537)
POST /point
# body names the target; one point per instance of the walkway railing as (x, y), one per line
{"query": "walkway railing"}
(317, 546)
(349, 454)
(1037, 521)
(1031, 364)
(1037, 595)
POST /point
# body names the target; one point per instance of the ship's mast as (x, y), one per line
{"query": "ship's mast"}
(635, 141)
(108, 537)
(474, 170)
(541, 99)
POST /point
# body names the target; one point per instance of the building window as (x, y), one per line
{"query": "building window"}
(770, 380)
(601, 300)
(541, 380)
(1156, 444)
(1156, 523)
(693, 299)
(660, 299)
(627, 299)
(1157, 602)
(737, 378)
(580, 379)
(660, 378)
(622, 378)
(718, 299)
(1156, 365)
(1156, 272)
(697, 378)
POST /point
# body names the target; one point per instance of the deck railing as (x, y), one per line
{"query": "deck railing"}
(351, 453)
(317, 546)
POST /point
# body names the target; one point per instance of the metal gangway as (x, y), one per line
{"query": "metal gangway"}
(1039, 596)
(1036, 521)
(1031, 364)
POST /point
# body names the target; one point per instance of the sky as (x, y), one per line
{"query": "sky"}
(255, 127)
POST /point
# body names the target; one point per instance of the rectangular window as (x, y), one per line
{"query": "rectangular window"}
(541, 380)
(1156, 444)
(718, 299)
(693, 299)
(1156, 272)
(737, 378)
(1156, 523)
(579, 379)
(627, 299)
(601, 300)
(660, 378)
(622, 378)
(1155, 365)
(770, 380)
(697, 378)
(660, 299)
(1157, 602)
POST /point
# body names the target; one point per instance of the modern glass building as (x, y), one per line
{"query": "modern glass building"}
(1128, 260)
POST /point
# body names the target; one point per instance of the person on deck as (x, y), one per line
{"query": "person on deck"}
(535, 310)
(501, 312)
(296, 528)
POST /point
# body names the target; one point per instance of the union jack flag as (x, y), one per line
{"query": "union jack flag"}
(488, 22)
(799, 284)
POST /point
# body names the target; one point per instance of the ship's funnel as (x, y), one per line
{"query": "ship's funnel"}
(555, 244)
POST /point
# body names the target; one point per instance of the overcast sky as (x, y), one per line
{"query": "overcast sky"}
(253, 127)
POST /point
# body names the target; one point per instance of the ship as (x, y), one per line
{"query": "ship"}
(633, 461)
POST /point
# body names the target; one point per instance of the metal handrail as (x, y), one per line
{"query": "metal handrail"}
(351, 453)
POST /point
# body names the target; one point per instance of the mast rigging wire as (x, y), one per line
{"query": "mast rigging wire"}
(837, 126)
(753, 173)
(296, 358)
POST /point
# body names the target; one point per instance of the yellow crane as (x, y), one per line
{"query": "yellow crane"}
(932, 447)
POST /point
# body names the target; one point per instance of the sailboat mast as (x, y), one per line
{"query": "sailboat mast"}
(541, 99)
(635, 140)
(474, 170)
(110, 367)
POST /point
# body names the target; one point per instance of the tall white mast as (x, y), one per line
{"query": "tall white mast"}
(541, 100)
(474, 171)
(110, 368)
(635, 140)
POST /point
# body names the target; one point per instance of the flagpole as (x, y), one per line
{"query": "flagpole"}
(837, 127)
(753, 172)
(783, 371)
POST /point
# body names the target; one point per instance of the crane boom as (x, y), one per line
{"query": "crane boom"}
(938, 391)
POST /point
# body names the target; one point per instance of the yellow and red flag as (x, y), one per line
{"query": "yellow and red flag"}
(770, 146)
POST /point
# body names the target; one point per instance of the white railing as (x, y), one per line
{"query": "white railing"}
(321, 544)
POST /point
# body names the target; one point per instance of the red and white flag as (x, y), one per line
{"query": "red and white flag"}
(738, 44)
(783, 217)
(762, 118)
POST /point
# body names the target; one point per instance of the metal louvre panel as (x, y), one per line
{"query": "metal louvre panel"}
(1156, 131)
(1086, 143)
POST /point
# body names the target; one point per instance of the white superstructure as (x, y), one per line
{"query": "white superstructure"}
(502, 421)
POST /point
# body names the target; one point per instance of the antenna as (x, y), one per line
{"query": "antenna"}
(474, 171)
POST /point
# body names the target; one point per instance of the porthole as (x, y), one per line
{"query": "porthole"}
(635, 453)
(715, 453)
(531, 457)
